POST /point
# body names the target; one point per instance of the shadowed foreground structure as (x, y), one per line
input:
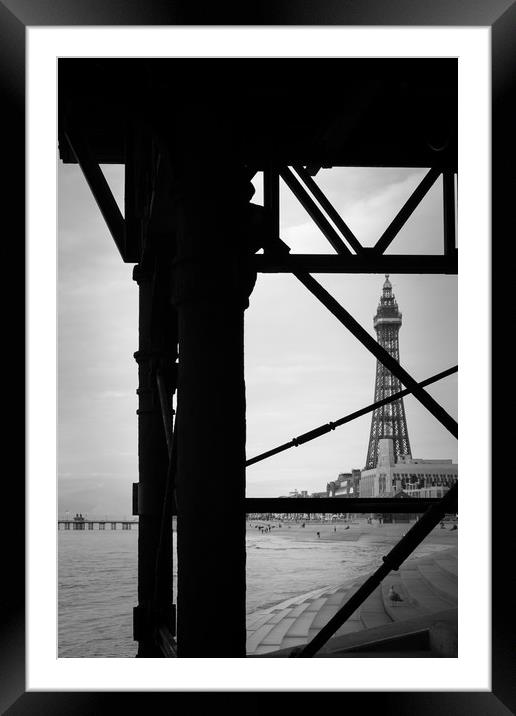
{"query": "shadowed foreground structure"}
(192, 134)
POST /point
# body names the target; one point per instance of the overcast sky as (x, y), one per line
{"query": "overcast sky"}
(302, 367)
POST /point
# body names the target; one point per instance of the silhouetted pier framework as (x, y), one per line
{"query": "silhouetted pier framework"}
(192, 134)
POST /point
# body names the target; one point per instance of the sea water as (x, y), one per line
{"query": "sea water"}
(97, 587)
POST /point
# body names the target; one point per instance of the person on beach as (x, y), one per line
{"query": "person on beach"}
(393, 595)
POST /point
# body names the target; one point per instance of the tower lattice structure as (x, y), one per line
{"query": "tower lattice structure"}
(389, 420)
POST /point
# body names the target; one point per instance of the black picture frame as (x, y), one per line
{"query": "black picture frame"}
(500, 16)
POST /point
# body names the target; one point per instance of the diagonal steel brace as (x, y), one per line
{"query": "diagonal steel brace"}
(313, 210)
(378, 351)
(406, 211)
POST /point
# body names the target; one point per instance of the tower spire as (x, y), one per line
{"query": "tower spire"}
(389, 420)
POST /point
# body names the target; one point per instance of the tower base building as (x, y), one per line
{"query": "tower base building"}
(412, 476)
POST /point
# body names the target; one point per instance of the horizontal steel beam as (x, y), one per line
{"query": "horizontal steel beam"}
(336, 505)
(365, 263)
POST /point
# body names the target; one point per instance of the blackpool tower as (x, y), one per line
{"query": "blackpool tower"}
(389, 420)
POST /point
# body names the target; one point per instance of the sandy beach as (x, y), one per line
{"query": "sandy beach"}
(329, 562)
(351, 531)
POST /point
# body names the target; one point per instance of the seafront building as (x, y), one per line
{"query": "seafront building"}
(346, 485)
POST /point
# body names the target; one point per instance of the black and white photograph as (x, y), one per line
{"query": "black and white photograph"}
(258, 307)
(237, 267)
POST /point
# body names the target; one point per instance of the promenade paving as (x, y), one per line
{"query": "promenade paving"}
(426, 584)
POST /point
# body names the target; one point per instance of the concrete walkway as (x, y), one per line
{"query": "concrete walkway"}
(427, 586)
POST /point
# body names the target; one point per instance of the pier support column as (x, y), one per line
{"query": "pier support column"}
(157, 346)
(211, 285)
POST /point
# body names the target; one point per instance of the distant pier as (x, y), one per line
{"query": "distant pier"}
(81, 523)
